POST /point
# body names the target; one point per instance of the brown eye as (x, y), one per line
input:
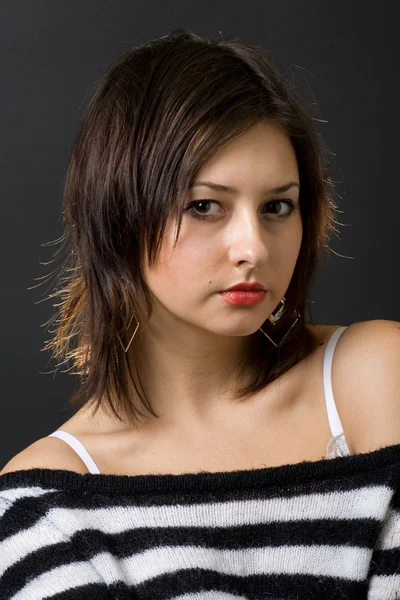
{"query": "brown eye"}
(289, 203)
(198, 208)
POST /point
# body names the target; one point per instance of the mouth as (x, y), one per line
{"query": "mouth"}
(246, 287)
(241, 297)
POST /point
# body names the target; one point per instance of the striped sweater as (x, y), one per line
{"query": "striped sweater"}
(325, 530)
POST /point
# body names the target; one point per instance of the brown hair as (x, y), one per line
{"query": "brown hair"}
(157, 115)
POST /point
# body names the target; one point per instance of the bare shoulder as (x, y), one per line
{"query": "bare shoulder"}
(366, 383)
(46, 453)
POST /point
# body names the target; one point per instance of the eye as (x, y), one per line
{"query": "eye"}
(291, 206)
(198, 209)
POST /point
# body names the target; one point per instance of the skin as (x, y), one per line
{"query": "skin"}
(194, 339)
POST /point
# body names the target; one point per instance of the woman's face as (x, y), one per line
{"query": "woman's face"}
(228, 237)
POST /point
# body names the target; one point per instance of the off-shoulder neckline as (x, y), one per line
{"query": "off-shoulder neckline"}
(281, 475)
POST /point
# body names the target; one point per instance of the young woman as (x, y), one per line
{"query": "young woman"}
(197, 208)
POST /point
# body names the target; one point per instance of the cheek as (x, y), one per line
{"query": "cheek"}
(188, 264)
(288, 247)
(182, 267)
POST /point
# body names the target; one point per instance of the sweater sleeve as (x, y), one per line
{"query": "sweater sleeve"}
(38, 561)
(384, 582)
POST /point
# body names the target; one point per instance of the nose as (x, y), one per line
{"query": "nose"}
(247, 240)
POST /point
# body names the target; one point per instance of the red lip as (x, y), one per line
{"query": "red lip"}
(246, 287)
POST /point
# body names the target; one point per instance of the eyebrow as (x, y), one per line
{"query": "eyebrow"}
(218, 187)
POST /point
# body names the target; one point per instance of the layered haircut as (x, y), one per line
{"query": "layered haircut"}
(156, 116)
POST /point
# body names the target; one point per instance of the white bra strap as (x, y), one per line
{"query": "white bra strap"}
(79, 449)
(333, 416)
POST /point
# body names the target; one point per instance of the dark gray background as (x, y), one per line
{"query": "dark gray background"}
(345, 57)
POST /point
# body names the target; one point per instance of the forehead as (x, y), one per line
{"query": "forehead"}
(263, 152)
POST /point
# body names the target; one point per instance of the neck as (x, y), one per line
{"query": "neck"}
(189, 374)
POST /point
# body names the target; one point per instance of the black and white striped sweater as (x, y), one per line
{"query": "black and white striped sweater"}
(324, 530)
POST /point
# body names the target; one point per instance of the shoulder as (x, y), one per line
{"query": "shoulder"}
(366, 383)
(46, 453)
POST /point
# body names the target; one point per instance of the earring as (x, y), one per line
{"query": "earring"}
(272, 318)
(275, 318)
(133, 335)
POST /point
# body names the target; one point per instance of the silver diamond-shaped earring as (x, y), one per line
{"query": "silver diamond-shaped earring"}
(133, 335)
(275, 318)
